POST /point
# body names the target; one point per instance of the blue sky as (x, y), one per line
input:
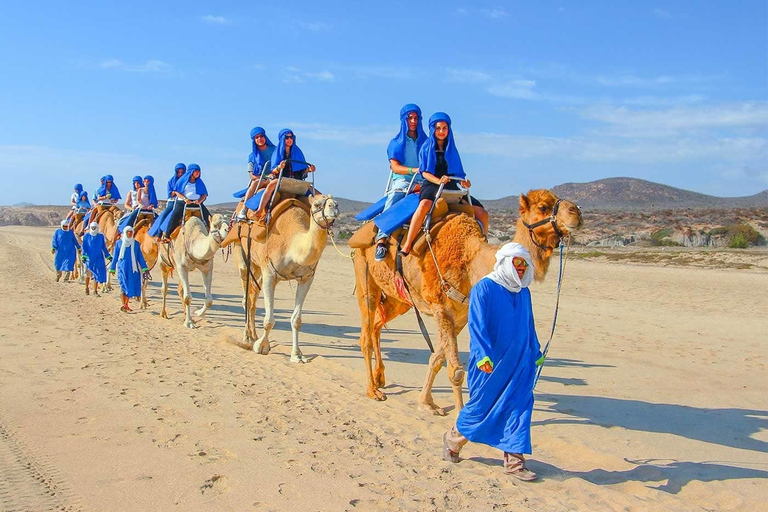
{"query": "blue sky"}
(540, 93)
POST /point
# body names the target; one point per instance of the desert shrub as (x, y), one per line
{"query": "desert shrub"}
(659, 237)
(344, 235)
(741, 236)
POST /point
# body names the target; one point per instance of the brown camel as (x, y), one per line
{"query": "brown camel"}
(464, 257)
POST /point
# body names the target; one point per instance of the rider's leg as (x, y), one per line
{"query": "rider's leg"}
(416, 221)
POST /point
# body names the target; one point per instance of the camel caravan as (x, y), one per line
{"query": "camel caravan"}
(423, 246)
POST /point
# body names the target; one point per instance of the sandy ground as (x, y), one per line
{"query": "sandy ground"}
(653, 399)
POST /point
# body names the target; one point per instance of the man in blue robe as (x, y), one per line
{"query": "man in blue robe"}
(94, 252)
(129, 263)
(64, 246)
(504, 353)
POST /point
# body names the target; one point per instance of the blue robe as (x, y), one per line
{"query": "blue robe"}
(66, 246)
(95, 250)
(130, 281)
(500, 403)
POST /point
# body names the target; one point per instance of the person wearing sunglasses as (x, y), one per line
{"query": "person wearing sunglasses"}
(287, 161)
(504, 352)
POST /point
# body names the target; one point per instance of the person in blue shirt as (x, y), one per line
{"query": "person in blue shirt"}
(73, 200)
(142, 198)
(403, 154)
(82, 205)
(439, 161)
(504, 353)
(261, 154)
(94, 253)
(106, 193)
(287, 161)
(190, 189)
(64, 247)
(178, 172)
(129, 263)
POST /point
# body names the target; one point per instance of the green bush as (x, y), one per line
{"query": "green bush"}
(659, 238)
(741, 236)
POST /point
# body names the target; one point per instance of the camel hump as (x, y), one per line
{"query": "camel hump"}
(258, 232)
(144, 221)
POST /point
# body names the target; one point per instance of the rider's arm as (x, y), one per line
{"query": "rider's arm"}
(397, 168)
(202, 199)
(431, 177)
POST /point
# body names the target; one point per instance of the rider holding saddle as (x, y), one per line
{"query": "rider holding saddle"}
(107, 193)
(141, 198)
(287, 161)
(190, 190)
(261, 154)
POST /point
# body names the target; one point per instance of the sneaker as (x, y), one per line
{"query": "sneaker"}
(242, 215)
(381, 252)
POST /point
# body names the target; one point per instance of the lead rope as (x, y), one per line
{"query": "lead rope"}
(333, 240)
(563, 261)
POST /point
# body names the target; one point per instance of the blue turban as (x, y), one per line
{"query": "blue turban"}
(151, 190)
(113, 191)
(184, 180)
(255, 156)
(172, 181)
(78, 188)
(396, 148)
(296, 154)
(83, 194)
(139, 180)
(427, 156)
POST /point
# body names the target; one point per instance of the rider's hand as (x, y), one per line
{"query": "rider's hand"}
(465, 183)
(486, 367)
(111, 271)
(444, 180)
(282, 165)
(53, 251)
(311, 168)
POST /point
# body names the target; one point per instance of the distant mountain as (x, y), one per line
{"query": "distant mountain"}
(636, 194)
(22, 204)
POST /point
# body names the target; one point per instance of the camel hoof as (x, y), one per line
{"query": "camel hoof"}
(379, 381)
(163, 315)
(377, 395)
(432, 408)
(263, 348)
(190, 325)
(298, 358)
(200, 312)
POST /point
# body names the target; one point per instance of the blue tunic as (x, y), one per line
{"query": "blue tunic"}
(95, 250)
(66, 246)
(500, 403)
(130, 281)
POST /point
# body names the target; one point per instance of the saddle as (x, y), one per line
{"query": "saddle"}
(189, 212)
(291, 193)
(144, 218)
(444, 211)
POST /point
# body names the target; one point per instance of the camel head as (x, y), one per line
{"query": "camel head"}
(544, 221)
(325, 210)
(219, 227)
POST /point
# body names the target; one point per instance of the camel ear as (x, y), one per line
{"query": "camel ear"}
(525, 203)
(210, 220)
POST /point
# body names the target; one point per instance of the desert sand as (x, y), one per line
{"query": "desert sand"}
(654, 398)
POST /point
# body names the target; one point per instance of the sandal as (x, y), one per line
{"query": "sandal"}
(524, 474)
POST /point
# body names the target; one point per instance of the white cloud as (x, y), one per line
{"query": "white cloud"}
(216, 20)
(495, 13)
(662, 13)
(294, 75)
(150, 66)
(466, 76)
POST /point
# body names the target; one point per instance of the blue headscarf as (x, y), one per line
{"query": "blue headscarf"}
(255, 156)
(151, 190)
(296, 154)
(113, 191)
(184, 180)
(80, 196)
(172, 181)
(427, 156)
(78, 188)
(396, 148)
(139, 180)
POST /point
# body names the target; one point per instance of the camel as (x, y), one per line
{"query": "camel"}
(290, 251)
(107, 216)
(193, 248)
(464, 257)
(149, 249)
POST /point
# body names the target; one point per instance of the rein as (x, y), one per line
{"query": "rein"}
(563, 261)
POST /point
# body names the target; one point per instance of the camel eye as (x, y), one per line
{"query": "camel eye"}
(543, 209)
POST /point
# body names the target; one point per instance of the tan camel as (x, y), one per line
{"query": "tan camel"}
(290, 251)
(149, 249)
(193, 249)
(464, 257)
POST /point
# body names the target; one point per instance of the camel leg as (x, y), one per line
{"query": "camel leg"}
(302, 290)
(368, 295)
(207, 279)
(186, 296)
(268, 285)
(250, 328)
(164, 290)
(446, 339)
(456, 373)
(144, 284)
(392, 309)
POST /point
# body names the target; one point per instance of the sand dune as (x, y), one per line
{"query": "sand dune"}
(654, 399)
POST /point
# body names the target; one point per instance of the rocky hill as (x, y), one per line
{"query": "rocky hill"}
(631, 194)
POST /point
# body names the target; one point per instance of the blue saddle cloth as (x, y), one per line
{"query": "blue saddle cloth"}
(398, 214)
(240, 193)
(253, 202)
(372, 210)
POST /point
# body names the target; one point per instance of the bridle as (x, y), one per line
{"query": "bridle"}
(552, 219)
(324, 221)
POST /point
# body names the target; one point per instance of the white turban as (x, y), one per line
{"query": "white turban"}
(504, 272)
(65, 222)
(127, 244)
(94, 227)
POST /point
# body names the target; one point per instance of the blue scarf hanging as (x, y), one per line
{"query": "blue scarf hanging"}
(115, 193)
(255, 156)
(151, 190)
(427, 156)
(296, 154)
(396, 148)
(184, 180)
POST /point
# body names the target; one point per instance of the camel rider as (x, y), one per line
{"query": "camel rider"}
(64, 246)
(73, 200)
(403, 154)
(261, 154)
(190, 189)
(81, 206)
(503, 355)
(129, 263)
(106, 193)
(94, 252)
(439, 161)
(142, 198)
(178, 172)
(287, 161)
